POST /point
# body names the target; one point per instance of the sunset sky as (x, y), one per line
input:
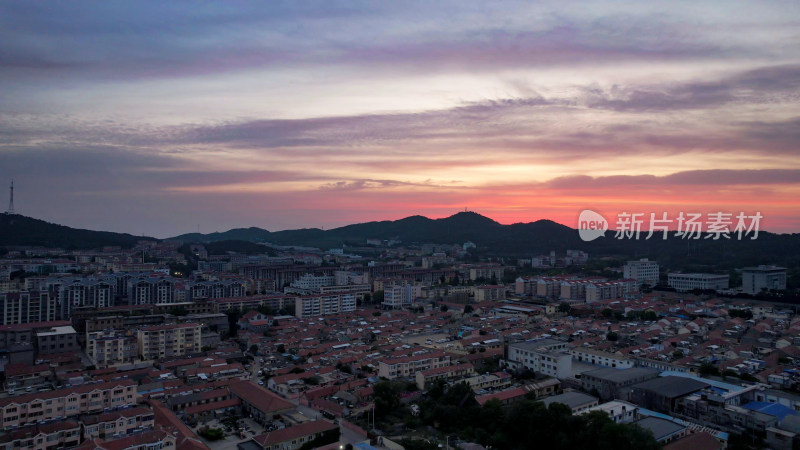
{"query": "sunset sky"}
(158, 117)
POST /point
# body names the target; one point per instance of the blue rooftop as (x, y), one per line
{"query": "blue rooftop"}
(728, 387)
(773, 409)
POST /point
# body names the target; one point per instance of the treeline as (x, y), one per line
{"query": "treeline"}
(526, 424)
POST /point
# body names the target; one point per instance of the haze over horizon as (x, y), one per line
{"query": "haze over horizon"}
(153, 118)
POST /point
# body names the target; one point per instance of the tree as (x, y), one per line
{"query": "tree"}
(386, 399)
(707, 369)
(233, 321)
(377, 297)
(443, 308)
(612, 336)
(254, 349)
(468, 309)
(280, 348)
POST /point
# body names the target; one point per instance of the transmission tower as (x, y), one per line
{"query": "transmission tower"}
(10, 209)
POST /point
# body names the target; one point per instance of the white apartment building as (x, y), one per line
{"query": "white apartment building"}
(322, 305)
(543, 356)
(643, 271)
(610, 289)
(756, 279)
(683, 282)
(398, 296)
(600, 358)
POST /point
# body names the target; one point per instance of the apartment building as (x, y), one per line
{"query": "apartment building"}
(408, 366)
(605, 290)
(400, 295)
(600, 358)
(543, 356)
(643, 271)
(151, 290)
(164, 341)
(27, 307)
(683, 282)
(76, 292)
(446, 373)
(109, 347)
(57, 339)
(322, 305)
(489, 293)
(196, 290)
(118, 424)
(68, 402)
(62, 434)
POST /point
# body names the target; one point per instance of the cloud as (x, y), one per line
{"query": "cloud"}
(718, 177)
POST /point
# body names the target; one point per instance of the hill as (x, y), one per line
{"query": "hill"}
(18, 230)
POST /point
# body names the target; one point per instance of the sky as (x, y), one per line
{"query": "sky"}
(161, 118)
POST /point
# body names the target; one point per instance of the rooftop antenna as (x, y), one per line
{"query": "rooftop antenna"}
(11, 199)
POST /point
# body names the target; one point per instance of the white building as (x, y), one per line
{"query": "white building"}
(309, 283)
(323, 305)
(618, 411)
(600, 358)
(683, 282)
(543, 356)
(398, 296)
(643, 271)
(756, 279)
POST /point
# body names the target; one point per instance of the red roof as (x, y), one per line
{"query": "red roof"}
(197, 409)
(294, 432)
(260, 398)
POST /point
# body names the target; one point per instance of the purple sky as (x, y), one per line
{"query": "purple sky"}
(159, 117)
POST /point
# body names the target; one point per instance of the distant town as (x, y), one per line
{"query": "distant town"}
(386, 345)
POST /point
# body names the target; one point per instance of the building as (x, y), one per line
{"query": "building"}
(618, 411)
(662, 394)
(578, 402)
(683, 282)
(498, 380)
(543, 356)
(408, 366)
(118, 424)
(643, 271)
(165, 341)
(109, 347)
(664, 431)
(400, 295)
(151, 290)
(426, 377)
(68, 402)
(757, 279)
(27, 307)
(604, 290)
(600, 358)
(259, 402)
(614, 383)
(57, 339)
(323, 305)
(62, 434)
(294, 437)
(489, 293)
